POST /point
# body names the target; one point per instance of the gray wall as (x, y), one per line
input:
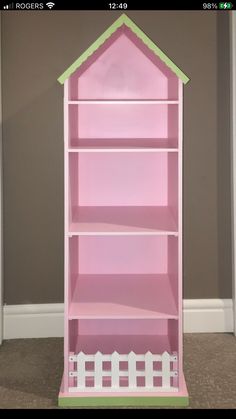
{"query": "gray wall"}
(36, 48)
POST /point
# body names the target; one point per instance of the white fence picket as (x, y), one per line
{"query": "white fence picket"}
(115, 370)
(148, 369)
(81, 357)
(98, 370)
(132, 369)
(166, 370)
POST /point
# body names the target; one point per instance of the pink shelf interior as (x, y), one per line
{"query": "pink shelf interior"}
(122, 219)
(128, 121)
(112, 72)
(122, 296)
(123, 277)
(123, 191)
(123, 344)
(162, 339)
(123, 336)
(123, 255)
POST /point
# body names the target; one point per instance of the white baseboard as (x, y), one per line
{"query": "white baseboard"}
(46, 320)
(32, 321)
(208, 316)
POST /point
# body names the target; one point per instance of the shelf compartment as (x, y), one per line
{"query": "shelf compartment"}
(114, 74)
(123, 193)
(123, 277)
(122, 297)
(133, 339)
(93, 220)
(123, 336)
(130, 144)
(141, 120)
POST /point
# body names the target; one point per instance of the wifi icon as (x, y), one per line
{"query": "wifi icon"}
(50, 5)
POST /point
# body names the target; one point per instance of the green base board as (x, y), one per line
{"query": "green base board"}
(122, 401)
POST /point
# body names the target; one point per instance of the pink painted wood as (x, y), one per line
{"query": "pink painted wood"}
(122, 120)
(180, 248)
(127, 327)
(123, 179)
(123, 344)
(126, 219)
(67, 291)
(123, 208)
(121, 71)
(123, 254)
(130, 327)
(122, 297)
(118, 144)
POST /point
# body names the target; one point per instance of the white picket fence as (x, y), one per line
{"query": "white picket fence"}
(87, 372)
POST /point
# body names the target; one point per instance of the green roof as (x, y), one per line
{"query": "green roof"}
(123, 20)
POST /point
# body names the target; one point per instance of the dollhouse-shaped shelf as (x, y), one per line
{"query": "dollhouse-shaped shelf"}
(123, 223)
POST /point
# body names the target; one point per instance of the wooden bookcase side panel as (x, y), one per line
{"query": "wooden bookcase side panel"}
(67, 292)
(180, 229)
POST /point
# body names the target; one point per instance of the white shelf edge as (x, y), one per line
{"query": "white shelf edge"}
(93, 317)
(123, 150)
(122, 102)
(123, 233)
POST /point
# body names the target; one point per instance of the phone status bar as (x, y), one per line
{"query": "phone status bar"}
(116, 6)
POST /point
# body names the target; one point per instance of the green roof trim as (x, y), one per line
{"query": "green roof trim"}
(123, 20)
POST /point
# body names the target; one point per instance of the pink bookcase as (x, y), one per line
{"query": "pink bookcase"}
(123, 110)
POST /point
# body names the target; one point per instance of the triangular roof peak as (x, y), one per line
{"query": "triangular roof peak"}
(123, 20)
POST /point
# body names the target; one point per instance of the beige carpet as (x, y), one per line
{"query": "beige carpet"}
(31, 369)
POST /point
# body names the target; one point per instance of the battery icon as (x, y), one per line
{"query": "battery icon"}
(225, 6)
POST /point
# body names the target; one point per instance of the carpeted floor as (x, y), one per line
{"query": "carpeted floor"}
(31, 370)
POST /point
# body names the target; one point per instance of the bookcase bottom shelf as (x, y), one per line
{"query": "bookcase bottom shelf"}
(131, 363)
(103, 399)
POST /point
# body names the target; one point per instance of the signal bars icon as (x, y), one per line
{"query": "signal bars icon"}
(8, 6)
